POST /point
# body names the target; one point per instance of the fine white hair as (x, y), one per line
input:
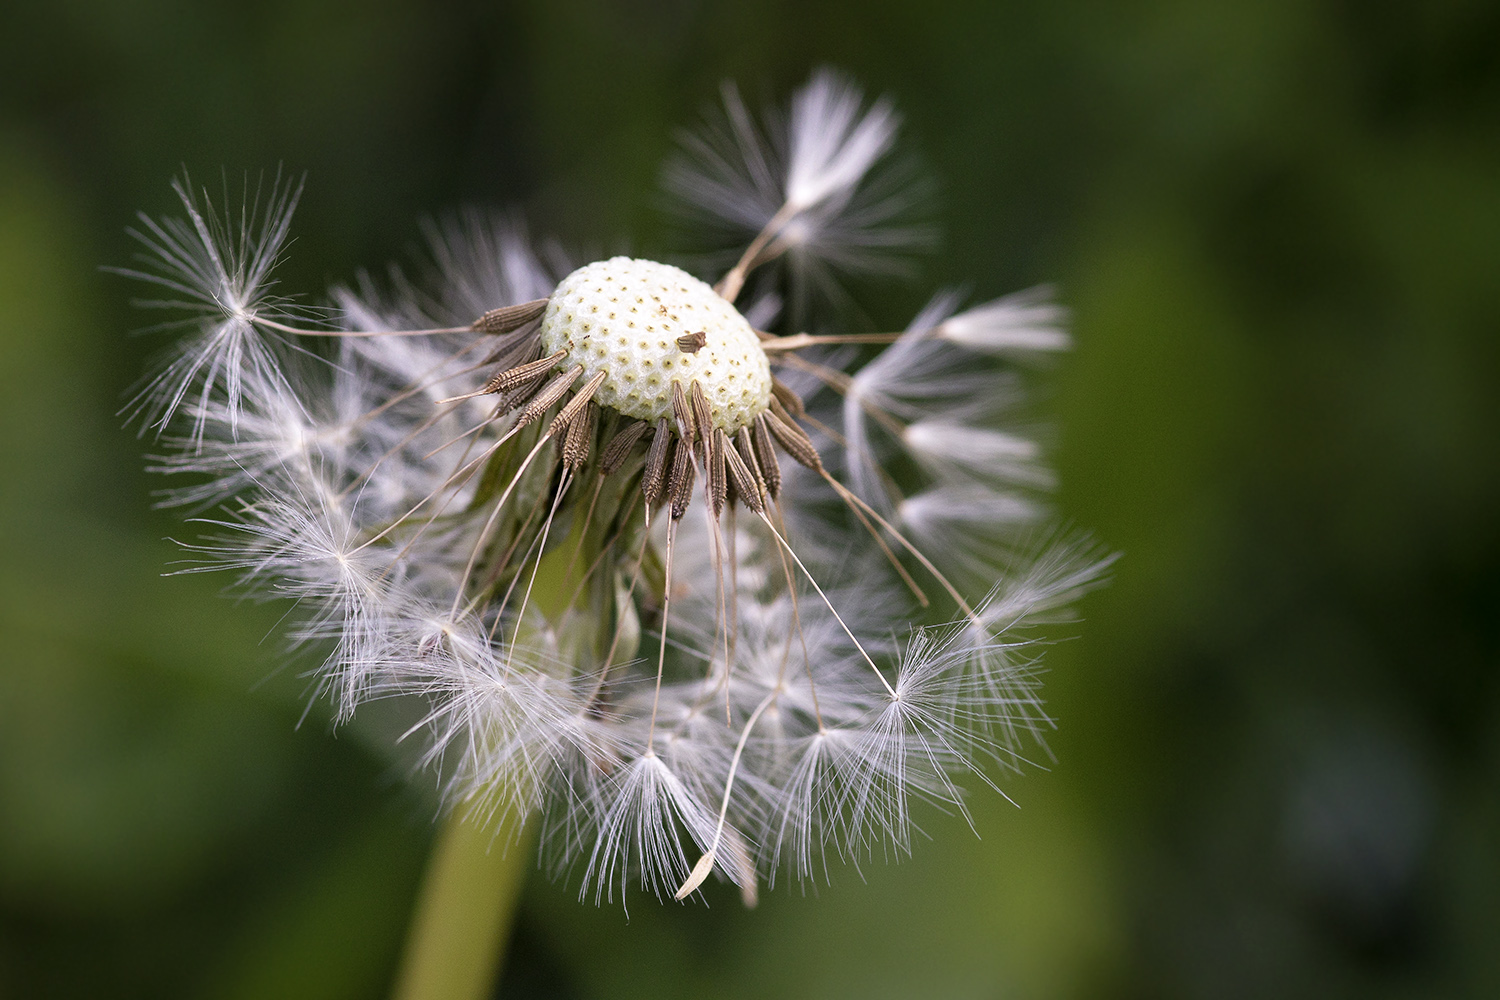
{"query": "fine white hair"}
(691, 648)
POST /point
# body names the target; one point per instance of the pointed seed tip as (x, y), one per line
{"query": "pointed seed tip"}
(699, 875)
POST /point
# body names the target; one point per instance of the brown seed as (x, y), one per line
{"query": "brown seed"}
(620, 446)
(580, 399)
(550, 393)
(745, 446)
(740, 477)
(517, 396)
(731, 495)
(580, 437)
(656, 463)
(717, 483)
(786, 397)
(683, 411)
(702, 415)
(793, 439)
(765, 455)
(680, 486)
(518, 349)
(522, 374)
(508, 318)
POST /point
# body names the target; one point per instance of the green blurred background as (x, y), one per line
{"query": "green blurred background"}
(1278, 226)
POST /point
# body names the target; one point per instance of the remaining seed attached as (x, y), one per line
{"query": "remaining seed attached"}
(680, 485)
(580, 437)
(653, 481)
(514, 350)
(523, 374)
(621, 445)
(718, 485)
(550, 394)
(687, 419)
(793, 438)
(745, 484)
(765, 453)
(787, 398)
(582, 396)
(702, 416)
(508, 318)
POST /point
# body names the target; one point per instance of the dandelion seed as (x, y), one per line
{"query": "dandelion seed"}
(808, 189)
(216, 269)
(711, 600)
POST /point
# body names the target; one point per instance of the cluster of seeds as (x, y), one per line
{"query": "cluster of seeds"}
(665, 351)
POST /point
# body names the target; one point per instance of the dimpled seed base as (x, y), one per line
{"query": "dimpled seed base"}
(623, 317)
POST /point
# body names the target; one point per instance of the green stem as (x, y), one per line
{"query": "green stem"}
(474, 877)
(464, 912)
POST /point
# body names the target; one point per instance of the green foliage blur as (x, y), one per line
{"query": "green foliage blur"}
(1278, 226)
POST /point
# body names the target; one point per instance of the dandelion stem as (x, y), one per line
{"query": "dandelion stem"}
(456, 943)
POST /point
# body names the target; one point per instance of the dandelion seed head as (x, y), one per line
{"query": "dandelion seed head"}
(715, 596)
(634, 321)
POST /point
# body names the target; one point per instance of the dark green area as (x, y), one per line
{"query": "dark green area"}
(1278, 224)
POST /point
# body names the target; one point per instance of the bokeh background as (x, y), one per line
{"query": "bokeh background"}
(1278, 226)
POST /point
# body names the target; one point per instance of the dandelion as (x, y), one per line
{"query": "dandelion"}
(703, 597)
